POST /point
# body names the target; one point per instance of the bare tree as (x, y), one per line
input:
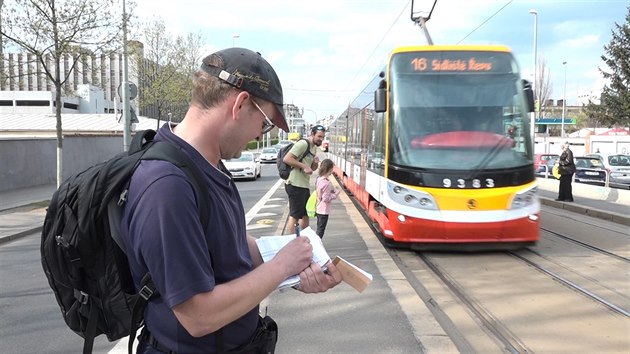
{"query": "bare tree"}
(543, 87)
(51, 29)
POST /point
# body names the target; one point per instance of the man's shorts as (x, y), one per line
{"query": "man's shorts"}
(298, 197)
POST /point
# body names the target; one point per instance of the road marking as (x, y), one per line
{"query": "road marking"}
(271, 205)
(260, 215)
(256, 208)
(257, 227)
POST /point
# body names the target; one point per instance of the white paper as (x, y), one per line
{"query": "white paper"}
(270, 245)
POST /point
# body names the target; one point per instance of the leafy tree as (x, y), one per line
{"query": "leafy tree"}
(165, 65)
(614, 106)
(51, 29)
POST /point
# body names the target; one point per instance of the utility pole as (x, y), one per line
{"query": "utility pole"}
(535, 84)
(564, 99)
(125, 87)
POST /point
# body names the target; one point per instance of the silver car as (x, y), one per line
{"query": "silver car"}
(247, 166)
(618, 166)
(268, 155)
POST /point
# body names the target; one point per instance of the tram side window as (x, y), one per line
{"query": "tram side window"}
(376, 144)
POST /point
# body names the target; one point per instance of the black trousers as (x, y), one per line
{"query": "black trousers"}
(565, 193)
(322, 220)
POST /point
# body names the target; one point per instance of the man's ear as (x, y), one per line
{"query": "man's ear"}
(237, 107)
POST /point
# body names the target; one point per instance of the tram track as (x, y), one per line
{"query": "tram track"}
(586, 245)
(570, 284)
(499, 325)
(511, 342)
(564, 294)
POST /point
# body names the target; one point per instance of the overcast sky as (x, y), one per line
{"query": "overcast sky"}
(326, 51)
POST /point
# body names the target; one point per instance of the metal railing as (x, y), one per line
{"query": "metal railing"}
(606, 180)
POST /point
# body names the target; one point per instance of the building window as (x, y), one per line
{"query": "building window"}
(70, 105)
(30, 103)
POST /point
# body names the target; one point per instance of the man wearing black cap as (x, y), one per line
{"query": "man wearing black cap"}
(210, 281)
(298, 183)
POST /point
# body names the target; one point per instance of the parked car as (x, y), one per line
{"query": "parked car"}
(268, 155)
(540, 160)
(246, 166)
(545, 168)
(589, 170)
(618, 166)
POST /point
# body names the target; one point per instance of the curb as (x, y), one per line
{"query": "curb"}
(595, 213)
(19, 235)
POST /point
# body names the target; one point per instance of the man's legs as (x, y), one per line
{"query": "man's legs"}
(304, 222)
(297, 207)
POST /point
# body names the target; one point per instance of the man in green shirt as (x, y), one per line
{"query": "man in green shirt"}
(298, 183)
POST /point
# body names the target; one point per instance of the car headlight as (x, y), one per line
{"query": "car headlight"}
(410, 197)
(248, 169)
(524, 198)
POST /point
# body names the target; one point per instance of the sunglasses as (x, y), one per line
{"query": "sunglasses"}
(319, 128)
(267, 123)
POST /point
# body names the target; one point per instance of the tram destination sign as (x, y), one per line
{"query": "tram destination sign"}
(427, 62)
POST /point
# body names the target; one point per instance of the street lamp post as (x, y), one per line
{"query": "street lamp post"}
(535, 86)
(564, 99)
(234, 36)
(125, 86)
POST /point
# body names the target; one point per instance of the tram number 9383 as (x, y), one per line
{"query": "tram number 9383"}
(461, 183)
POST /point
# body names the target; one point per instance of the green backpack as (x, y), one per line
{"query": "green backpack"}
(311, 205)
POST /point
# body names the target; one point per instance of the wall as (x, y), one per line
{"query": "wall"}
(33, 161)
(609, 144)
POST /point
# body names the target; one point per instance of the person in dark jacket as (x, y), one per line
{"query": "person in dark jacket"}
(566, 168)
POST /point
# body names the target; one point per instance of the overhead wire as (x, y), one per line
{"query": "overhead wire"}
(484, 22)
(381, 41)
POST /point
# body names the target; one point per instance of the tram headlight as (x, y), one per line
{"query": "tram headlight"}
(410, 197)
(525, 198)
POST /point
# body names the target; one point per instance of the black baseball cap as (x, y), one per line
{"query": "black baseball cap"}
(249, 71)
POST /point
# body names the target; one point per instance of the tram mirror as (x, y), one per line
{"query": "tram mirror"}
(380, 97)
(529, 95)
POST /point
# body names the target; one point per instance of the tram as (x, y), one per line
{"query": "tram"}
(437, 149)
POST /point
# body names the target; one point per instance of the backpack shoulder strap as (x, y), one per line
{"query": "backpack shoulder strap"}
(307, 151)
(167, 152)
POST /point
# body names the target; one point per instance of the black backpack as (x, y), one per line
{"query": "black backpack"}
(82, 254)
(284, 170)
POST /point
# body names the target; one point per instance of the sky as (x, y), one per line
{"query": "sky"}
(326, 51)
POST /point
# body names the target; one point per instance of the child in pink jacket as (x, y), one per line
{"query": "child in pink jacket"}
(325, 194)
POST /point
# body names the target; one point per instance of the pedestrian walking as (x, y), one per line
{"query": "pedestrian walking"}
(298, 183)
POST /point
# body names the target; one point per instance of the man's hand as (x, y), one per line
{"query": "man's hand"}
(295, 256)
(314, 280)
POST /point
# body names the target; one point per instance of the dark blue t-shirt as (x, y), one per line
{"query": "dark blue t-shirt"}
(163, 233)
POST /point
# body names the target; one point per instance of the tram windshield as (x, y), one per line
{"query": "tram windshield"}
(457, 110)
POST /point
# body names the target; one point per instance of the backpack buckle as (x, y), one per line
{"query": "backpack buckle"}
(82, 297)
(146, 292)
